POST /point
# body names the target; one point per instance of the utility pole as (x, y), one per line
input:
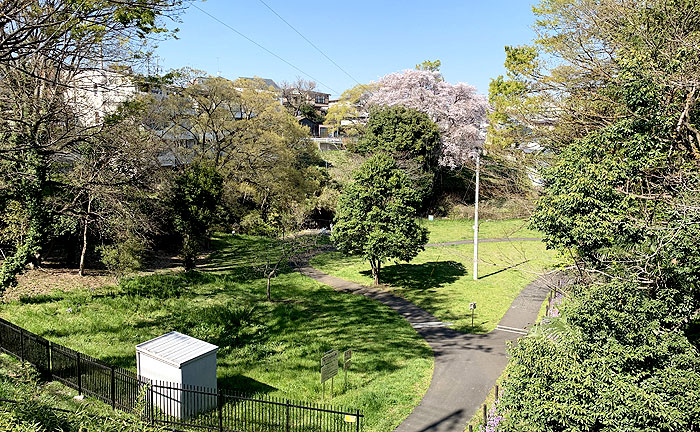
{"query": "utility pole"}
(476, 218)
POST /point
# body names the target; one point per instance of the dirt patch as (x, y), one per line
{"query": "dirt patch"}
(51, 278)
(44, 281)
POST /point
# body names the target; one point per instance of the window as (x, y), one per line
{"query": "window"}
(320, 99)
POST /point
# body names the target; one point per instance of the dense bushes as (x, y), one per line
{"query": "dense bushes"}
(620, 197)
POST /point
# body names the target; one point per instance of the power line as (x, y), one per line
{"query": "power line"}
(310, 43)
(262, 47)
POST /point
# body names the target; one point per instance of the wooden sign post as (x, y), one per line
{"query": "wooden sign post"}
(472, 307)
(347, 361)
(329, 369)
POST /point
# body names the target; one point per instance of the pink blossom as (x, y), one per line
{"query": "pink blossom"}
(457, 109)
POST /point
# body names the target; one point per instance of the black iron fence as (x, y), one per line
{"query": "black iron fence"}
(183, 408)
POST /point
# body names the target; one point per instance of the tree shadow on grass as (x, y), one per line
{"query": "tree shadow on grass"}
(244, 384)
(428, 275)
(504, 269)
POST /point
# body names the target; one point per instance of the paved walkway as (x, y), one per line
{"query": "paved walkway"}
(466, 365)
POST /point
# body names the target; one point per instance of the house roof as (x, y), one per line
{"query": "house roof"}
(176, 348)
(268, 81)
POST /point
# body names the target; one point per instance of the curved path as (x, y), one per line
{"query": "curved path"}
(466, 365)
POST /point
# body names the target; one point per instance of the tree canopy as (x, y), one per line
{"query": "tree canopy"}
(410, 137)
(610, 89)
(457, 109)
(47, 48)
(376, 215)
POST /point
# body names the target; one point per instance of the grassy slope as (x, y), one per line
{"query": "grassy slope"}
(275, 349)
(17, 381)
(444, 230)
(440, 279)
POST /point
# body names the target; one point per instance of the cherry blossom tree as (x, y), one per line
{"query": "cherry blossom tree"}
(457, 109)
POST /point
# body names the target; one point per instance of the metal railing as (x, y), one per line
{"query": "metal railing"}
(181, 408)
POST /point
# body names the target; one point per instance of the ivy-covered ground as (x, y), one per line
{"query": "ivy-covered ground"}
(272, 348)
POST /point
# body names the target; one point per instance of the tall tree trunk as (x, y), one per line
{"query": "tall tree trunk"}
(86, 222)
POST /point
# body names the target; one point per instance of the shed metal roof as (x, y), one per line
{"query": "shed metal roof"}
(176, 348)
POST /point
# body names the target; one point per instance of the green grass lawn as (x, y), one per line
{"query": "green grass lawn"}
(18, 382)
(270, 348)
(440, 279)
(444, 230)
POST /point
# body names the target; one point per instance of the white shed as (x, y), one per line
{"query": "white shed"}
(176, 365)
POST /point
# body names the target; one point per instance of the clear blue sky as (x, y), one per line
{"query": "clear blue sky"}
(368, 39)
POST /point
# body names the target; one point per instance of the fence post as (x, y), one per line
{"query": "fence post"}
(357, 419)
(21, 344)
(113, 388)
(485, 419)
(220, 405)
(77, 368)
(286, 409)
(150, 403)
(49, 371)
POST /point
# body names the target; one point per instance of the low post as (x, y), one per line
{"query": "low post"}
(113, 388)
(496, 391)
(287, 422)
(485, 421)
(21, 344)
(357, 420)
(220, 405)
(77, 368)
(150, 405)
(49, 371)
(471, 428)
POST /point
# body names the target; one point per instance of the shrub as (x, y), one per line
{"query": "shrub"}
(124, 257)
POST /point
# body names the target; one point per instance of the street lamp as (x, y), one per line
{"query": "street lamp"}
(476, 154)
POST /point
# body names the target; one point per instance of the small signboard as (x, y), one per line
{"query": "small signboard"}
(329, 365)
(472, 306)
(347, 355)
(350, 418)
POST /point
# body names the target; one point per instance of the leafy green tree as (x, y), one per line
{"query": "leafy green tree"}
(349, 114)
(614, 98)
(410, 137)
(45, 49)
(428, 65)
(195, 196)
(309, 111)
(405, 133)
(376, 216)
(267, 164)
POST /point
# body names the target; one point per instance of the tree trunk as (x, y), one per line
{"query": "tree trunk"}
(86, 222)
(269, 283)
(376, 266)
